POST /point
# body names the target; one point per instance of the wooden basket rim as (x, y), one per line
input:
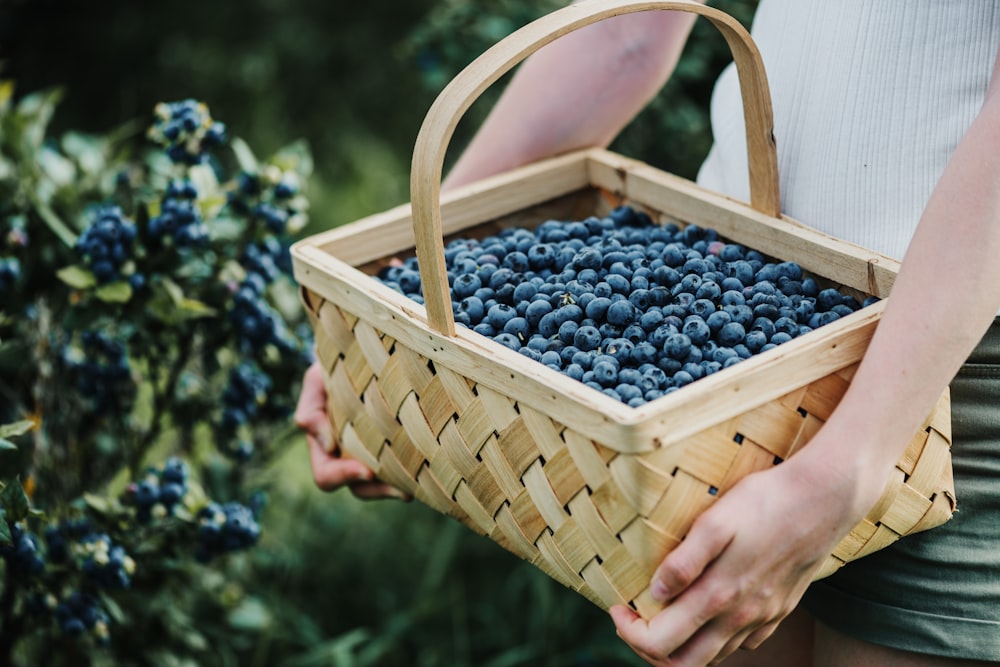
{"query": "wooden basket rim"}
(664, 421)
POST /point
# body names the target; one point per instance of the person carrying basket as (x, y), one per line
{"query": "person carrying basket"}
(887, 122)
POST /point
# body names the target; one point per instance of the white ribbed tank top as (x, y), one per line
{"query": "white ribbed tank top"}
(870, 99)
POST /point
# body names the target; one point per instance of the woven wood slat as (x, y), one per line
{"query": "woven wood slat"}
(456, 452)
(518, 542)
(544, 431)
(458, 388)
(527, 516)
(379, 411)
(641, 484)
(613, 507)
(436, 405)
(574, 546)
(537, 486)
(602, 541)
(554, 561)
(499, 467)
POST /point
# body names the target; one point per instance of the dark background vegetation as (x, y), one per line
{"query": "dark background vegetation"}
(337, 581)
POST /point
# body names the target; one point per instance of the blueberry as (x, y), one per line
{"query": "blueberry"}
(466, 285)
(605, 373)
(621, 313)
(587, 338)
(567, 331)
(731, 334)
(696, 330)
(677, 346)
(473, 307)
(499, 315)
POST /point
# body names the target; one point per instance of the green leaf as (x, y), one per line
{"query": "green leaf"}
(7, 446)
(6, 539)
(55, 223)
(14, 501)
(117, 292)
(16, 429)
(296, 157)
(225, 229)
(6, 94)
(97, 503)
(77, 276)
(251, 614)
(244, 156)
(60, 170)
(112, 607)
(36, 110)
(88, 150)
(204, 180)
(170, 306)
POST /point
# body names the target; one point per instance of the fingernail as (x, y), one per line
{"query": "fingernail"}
(396, 493)
(325, 440)
(658, 591)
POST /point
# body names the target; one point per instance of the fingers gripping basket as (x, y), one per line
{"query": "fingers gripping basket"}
(591, 491)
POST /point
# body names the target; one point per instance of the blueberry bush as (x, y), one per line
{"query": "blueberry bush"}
(151, 342)
(332, 581)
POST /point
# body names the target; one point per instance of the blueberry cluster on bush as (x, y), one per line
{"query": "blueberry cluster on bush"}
(224, 529)
(24, 554)
(272, 197)
(107, 244)
(161, 491)
(81, 613)
(256, 323)
(244, 396)
(59, 537)
(104, 563)
(185, 129)
(180, 219)
(267, 258)
(104, 373)
(631, 308)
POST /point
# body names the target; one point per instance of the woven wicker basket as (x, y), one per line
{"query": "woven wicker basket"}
(589, 490)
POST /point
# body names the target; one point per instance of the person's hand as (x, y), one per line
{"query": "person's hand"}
(746, 562)
(331, 469)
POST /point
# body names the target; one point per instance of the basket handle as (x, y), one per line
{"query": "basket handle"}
(452, 103)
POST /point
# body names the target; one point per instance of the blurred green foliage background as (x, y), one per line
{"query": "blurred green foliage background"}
(337, 581)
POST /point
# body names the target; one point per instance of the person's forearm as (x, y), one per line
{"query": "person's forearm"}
(576, 92)
(944, 299)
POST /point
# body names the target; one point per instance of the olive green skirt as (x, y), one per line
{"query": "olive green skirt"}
(938, 592)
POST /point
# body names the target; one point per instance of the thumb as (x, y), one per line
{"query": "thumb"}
(310, 412)
(682, 566)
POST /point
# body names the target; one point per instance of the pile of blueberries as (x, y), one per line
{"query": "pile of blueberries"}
(107, 244)
(629, 307)
(186, 129)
